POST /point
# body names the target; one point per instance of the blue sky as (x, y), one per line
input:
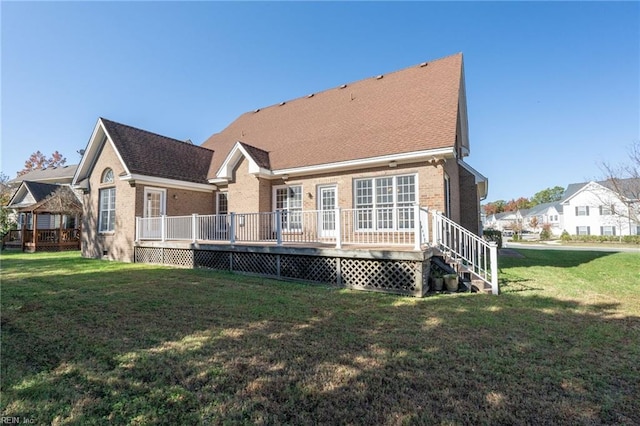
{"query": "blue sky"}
(553, 88)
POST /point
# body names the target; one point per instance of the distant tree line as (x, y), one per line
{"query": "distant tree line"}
(548, 195)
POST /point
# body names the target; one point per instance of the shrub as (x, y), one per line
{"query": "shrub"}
(545, 234)
(493, 235)
(565, 236)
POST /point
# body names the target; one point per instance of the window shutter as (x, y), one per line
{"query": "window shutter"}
(588, 227)
(602, 230)
(576, 210)
(600, 210)
(587, 210)
(614, 230)
(577, 229)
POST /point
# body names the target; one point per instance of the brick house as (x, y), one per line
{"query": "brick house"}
(379, 148)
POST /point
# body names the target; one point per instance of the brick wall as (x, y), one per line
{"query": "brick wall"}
(117, 245)
(469, 202)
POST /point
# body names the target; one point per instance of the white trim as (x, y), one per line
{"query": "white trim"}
(168, 183)
(231, 161)
(407, 157)
(218, 201)
(589, 184)
(319, 188)
(163, 200)
(384, 160)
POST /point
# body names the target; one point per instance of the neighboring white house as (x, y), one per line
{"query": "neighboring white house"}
(545, 214)
(506, 221)
(594, 208)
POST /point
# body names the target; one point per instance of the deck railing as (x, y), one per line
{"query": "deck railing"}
(387, 226)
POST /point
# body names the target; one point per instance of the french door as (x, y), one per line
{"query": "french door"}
(328, 202)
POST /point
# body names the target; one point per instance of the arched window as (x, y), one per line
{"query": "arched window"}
(107, 206)
(107, 176)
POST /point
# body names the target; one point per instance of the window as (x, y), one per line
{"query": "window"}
(107, 176)
(582, 210)
(607, 210)
(385, 203)
(583, 230)
(107, 217)
(288, 199)
(607, 230)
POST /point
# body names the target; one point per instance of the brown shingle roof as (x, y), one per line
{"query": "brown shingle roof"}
(408, 110)
(151, 154)
(260, 156)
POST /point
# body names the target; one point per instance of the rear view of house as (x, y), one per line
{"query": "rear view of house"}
(358, 164)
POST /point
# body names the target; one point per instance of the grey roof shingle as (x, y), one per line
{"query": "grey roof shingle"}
(60, 173)
(155, 155)
(40, 190)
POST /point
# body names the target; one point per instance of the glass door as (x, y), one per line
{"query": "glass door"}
(327, 196)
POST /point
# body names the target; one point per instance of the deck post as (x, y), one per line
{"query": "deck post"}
(338, 225)
(434, 228)
(232, 226)
(493, 253)
(194, 227)
(416, 227)
(137, 228)
(278, 227)
(163, 228)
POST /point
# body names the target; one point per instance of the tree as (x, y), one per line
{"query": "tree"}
(548, 195)
(6, 192)
(624, 181)
(38, 160)
(519, 204)
(494, 207)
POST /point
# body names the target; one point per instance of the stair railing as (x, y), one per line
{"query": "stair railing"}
(463, 247)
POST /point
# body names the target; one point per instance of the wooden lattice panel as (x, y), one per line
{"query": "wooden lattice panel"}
(256, 263)
(178, 257)
(212, 259)
(311, 268)
(148, 255)
(395, 275)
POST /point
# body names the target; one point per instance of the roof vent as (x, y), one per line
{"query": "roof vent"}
(188, 141)
(424, 64)
(256, 110)
(343, 86)
(378, 77)
(310, 95)
(282, 103)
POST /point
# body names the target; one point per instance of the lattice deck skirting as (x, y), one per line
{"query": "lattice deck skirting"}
(386, 271)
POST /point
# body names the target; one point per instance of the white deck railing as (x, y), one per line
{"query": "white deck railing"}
(382, 226)
(404, 226)
(473, 253)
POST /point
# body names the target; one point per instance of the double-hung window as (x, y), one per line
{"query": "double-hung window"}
(607, 230)
(582, 210)
(288, 200)
(385, 203)
(107, 204)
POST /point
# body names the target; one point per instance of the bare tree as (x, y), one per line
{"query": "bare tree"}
(38, 160)
(624, 181)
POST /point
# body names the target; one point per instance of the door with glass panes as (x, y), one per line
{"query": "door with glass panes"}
(327, 199)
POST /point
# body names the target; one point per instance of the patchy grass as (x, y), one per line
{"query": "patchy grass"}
(94, 342)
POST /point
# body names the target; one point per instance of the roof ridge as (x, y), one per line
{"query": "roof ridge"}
(155, 134)
(345, 85)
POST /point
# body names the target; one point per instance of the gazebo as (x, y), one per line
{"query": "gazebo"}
(48, 218)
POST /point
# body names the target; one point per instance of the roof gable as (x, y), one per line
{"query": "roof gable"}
(146, 154)
(29, 193)
(411, 110)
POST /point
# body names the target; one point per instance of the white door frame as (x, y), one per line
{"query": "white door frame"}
(322, 216)
(163, 200)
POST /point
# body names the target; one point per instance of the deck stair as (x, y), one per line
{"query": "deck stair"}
(473, 259)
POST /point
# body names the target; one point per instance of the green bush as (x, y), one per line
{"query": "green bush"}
(565, 236)
(545, 234)
(494, 236)
(626, 239)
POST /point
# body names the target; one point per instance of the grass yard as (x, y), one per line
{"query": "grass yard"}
(94, 342)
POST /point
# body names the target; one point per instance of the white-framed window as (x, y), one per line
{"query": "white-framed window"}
(385, 203)
(582, 210)
(583, 230)
(607, 210)
(155, 202)
(107, 218)
(288, 199)
(107, 203)
(607, 230)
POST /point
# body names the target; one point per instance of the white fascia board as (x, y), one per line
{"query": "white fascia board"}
(91, 153)
(407, 157)
(19, 194)
(226, 169)
(168, 183)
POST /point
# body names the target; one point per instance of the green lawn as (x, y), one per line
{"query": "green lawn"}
(95, 342)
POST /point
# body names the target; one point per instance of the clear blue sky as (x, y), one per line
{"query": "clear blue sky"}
(553, 88)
